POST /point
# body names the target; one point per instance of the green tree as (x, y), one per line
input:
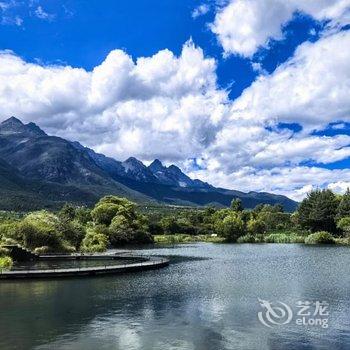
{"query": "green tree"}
(43, 228)
(123, 231)
(344, 225)
(9, 231)
(104, 213)
(236, 205)
(123, 223)
(256, 226)
(343, 209)
(83, 215)
(110, 206)
(94, 242)
(317, 211)
(258, 208)
(71, 229)
(73, 232)
(278, 208)
(170, 225)
(275, 219)
(231, 227)
(67, 212)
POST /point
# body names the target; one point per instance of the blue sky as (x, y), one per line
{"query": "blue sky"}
(235, 92)
(82, 33)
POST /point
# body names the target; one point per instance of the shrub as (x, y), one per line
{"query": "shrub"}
(5, 263)
(121, 221)
(83, 215)
(344, 225)
(123, 231)
(169, 225)
(247, 239)
(321, 237)
(110, 206)
(256, 226)
(42, 250)
(231, 227)
(343, 209)
(67, 212)
(283, 238)
(94, 242)
(9, 241)
(343, 241)
(3, 251)
(104, 213)
(8, 230)
(72, 232)
(42, 228)
(277, 238)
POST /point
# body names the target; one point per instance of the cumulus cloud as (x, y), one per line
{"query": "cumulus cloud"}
(163, 104)
(243, 26)
(294, 182)
(312, 88)
(170, 107)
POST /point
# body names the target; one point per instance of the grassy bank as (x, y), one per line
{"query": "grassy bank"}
(270, 237)
(183, 238)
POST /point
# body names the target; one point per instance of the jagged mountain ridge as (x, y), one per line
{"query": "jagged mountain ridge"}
(133, 168)
(83, 175)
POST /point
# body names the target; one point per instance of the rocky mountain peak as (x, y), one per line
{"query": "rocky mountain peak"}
(174, 169)
(13, 121)
(35, 129)
(156, 165)
(15, 126)
(133, 162)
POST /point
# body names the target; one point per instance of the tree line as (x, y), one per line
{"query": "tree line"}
(322, 217)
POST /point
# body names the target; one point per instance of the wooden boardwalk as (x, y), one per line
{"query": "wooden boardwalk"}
(145, 264)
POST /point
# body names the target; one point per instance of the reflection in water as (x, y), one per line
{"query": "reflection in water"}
(199, 304)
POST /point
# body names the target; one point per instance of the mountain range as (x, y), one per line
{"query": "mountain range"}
(38, 170)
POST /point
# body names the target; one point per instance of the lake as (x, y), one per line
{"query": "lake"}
(208, 298)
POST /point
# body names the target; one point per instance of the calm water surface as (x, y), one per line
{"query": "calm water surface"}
(206, 299)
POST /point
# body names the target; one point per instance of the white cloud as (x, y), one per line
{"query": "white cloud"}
(4, 5)
(339, 186)
(161, 105)
(201, 10)
(12, 20)
(294, 182)
(170, 107)
(245, 25)
(312, 88)
(42, 14)
(7, 15)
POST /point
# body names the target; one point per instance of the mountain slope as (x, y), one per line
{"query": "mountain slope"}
(53, 169)
(39, 156)
(173, 176)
